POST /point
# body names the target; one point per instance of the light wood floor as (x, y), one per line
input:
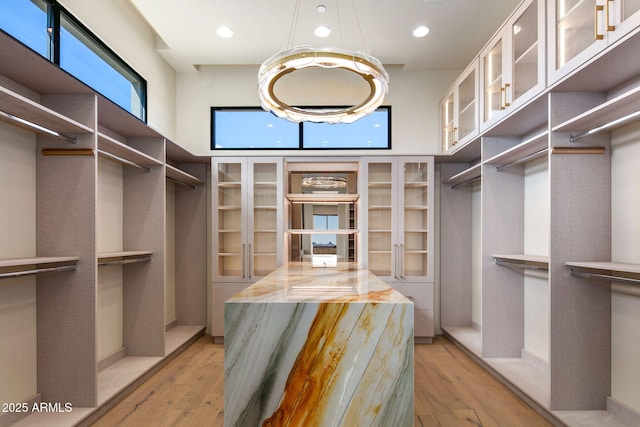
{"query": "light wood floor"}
(450, 390)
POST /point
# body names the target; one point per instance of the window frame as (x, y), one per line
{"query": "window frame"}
(300, 146)
(54, 12)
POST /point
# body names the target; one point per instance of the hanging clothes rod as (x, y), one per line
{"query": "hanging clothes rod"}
(38, 271)
(523, 160)
(36, 126)
(574, 138)
(121, 160)
(177, 181)
(575, 273)
(521, 265)
(466, 181)
(125, 261)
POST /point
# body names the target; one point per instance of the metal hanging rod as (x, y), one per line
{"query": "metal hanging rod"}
(628, 280)
(523, 160)
(521, 265)
(126, 261)
(177, 181)
(36, 126)
(466, 181)
(121, 160)
(38, 271)
(574, 138)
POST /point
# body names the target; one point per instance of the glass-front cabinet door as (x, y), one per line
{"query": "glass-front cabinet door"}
(265, 245)
(399, 222)
(247, 218)
(459, 110)
(579, 29)
(513, 63)
(229, 220)
(381, 217)
(414, 246)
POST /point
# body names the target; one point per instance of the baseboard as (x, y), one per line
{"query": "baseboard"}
(112, 358)
(621, 411)
(9, 418)
(535, 361)
(171, 325)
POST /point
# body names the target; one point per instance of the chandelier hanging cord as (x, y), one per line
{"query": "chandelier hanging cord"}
(355, 12)
(294, 24)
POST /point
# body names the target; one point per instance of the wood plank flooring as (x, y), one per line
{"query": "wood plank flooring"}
(450, 390)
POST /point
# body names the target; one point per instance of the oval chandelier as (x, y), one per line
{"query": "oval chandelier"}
(301, 57)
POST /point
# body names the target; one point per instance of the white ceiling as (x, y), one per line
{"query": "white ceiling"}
(459, 29)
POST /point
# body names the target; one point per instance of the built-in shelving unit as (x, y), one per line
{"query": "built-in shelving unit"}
(69, 126)
(547, 323)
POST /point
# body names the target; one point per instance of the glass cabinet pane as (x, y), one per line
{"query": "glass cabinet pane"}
(265, 218)
(575, 28)
(414, 249)
(467, 105)
(448, 126)
(525, 51)
(229, 227)
(629, 7)
(493, 81)
(380, 218)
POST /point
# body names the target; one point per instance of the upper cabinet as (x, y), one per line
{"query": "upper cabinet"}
(459, 110)
(580, 29)
(247, 218)
(512, 64)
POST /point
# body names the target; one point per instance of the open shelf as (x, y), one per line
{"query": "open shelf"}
(533, 262)
(606, 270)
(15, 267)
(605, 114)
(466, 176)
(26, 109)
(182, 177)
(529, 149)
(117, 150)
(320, 198)
(123, 257)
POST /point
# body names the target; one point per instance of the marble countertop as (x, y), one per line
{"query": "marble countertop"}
(299, 281)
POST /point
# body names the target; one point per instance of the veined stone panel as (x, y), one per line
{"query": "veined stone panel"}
(311, 346)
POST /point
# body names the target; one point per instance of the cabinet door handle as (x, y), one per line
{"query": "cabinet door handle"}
(402, 260)
(244, 272)
(250, 262)
(599, 8)
(506, 86)
(609, 26)
(503, 97)
(395, 261)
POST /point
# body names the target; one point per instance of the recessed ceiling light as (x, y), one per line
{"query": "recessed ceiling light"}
(421, 31)
(322, 31)
(321, 8)
(224, 32)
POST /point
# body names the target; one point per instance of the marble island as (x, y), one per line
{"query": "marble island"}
(311, 346)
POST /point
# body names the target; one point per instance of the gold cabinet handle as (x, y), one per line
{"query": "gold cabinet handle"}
(506, 86)
(503, 99)
(609, 26)
(599, 8)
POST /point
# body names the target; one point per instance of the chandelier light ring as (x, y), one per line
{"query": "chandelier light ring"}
(298, 58)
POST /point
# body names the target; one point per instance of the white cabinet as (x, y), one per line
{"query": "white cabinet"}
(398, 229)
(512, 65)
(459, 110)
(579, 30)
(247, 218)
